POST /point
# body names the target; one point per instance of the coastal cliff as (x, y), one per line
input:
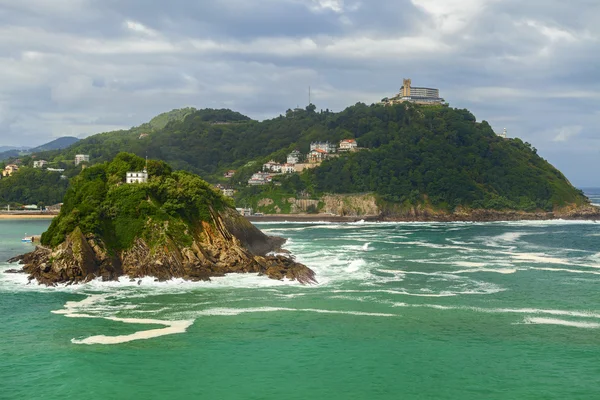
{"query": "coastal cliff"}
(173, 226)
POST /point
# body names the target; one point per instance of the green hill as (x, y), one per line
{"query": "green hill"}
(433, 155)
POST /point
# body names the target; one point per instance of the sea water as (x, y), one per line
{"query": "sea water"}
(503, 310)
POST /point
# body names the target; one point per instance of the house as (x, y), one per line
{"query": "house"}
(272, 166)
(10, 169)
(229, 192)
(137, 177)
(288, 168)
(244, 211)
(260, 178)
(229, 173)
(55, 169)
(317, 155)
(294, 157)
(79, 158)
(40, 163)
(143, 135)
(348, 145)
(54, 207)
(325, 146)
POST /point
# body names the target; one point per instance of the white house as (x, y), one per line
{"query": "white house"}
(317, 155)
(39, 163)
(325, 146)
(137, 177)
(294, 157)
(55, 169)
(79, 158)
(272, 166)
(348, 145)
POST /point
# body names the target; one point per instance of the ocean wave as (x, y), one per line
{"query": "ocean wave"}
(562, 322)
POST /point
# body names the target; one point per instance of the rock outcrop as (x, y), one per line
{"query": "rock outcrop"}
(231, 244)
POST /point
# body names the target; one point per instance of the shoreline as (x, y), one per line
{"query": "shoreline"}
(585, 214)
(21, 215)
(311, 218)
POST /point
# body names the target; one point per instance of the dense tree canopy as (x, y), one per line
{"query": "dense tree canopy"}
(99, 202)
(412, 154)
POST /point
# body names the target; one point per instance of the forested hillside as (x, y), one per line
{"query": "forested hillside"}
(412, 154)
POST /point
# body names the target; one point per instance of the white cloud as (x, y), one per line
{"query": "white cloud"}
(566, 133)
(140, 28)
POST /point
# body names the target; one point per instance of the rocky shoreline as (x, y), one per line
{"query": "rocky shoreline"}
(230, 245)
(590, 213)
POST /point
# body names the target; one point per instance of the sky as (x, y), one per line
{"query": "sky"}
(79, 67)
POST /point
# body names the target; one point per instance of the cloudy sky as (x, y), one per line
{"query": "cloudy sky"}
(78, 67)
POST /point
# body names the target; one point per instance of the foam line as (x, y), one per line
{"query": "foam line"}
(555, 321)
(171, 328)
(579, 314)
(238, 311)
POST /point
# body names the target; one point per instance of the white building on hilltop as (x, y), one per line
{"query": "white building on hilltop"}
(39, 163)
(137, 177)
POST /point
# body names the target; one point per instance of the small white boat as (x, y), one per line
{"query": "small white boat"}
(27, 239)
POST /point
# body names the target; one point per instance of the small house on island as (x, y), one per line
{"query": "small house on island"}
(137, 177)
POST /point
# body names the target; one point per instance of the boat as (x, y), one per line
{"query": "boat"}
(27, 239)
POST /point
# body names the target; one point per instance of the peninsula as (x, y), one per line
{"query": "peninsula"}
(170, 225)
(411, 158)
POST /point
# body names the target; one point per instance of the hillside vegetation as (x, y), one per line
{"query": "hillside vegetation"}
(98, 203)
(432, 155)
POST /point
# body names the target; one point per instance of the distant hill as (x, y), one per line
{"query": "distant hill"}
(56, 144)
(7, 148)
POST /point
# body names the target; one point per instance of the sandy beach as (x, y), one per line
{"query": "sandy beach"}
(27, 215)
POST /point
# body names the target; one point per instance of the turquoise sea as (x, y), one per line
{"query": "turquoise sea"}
(505, 310)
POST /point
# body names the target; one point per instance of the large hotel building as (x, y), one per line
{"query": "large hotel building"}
(418, 95)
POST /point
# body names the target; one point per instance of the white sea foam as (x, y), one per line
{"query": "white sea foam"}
(539, 258)
(94, 303)
(238, 311)
(365, 246)
(468, 264)
(566, 313)
(171, 328)
(571, 271)
(555, 321)
(505, 271)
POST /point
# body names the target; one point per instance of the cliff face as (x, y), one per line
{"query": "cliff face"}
(230, 245)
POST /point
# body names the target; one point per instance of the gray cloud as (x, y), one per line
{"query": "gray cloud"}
(77, 67)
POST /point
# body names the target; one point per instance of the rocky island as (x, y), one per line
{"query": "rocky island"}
(169, 225)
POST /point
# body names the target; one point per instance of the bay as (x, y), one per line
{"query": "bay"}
(505, 310)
